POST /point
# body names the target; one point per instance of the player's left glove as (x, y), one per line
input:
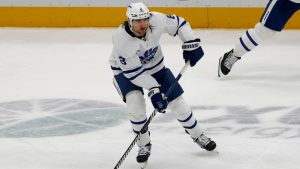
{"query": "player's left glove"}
(192, 51)
(157, 99)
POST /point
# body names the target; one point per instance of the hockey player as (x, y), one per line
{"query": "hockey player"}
(137, 62)
(275, 16)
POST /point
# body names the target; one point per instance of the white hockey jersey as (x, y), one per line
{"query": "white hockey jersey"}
(138, 58)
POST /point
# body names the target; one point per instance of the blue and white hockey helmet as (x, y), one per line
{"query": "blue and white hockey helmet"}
(137, 11)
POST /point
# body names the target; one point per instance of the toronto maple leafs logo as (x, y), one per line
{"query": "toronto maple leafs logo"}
(148, 55)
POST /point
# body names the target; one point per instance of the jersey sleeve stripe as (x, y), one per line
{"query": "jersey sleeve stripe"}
(177, 21)
(183, 23)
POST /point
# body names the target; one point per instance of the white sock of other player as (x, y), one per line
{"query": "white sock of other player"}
(252, 38)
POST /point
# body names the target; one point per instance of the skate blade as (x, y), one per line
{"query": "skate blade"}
(219, 67)
(216, 151)
(143, 165)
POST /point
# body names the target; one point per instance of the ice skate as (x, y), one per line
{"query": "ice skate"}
(143, 154)
(205, 142)
(226, 63)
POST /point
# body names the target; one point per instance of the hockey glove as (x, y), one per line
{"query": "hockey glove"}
(157, 99)
(192, 51)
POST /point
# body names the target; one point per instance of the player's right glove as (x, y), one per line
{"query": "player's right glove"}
(192, 51)
(157, 99)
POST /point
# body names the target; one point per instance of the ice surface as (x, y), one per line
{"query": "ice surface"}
(59, 109)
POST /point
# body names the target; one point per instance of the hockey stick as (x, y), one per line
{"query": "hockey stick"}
(169, 92)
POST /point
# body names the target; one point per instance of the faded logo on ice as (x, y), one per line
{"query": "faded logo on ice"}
(57, 117)
(61, 117)
(262, 122)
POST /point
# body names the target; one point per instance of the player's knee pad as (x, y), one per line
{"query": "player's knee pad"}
(136, 106)
(180, 107)
(261, 33)
(137, 109)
